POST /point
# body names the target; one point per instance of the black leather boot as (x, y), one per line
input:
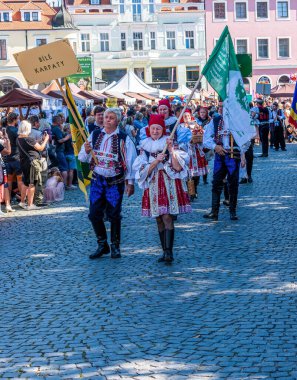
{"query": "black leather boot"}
(232, 209)
(161, 259)
(169, 239)
(115, 231)
(103, 247)
(215, 205)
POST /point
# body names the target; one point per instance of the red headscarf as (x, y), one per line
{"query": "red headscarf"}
(165, 102)
(156, 119)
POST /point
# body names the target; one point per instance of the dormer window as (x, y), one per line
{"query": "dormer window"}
(31, 16)
(5, 17)
(95, 2)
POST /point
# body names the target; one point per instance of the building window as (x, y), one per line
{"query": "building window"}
(137, 41)
(263, 48)
(264, 80)
(284, 79)
(4, 17)
(153, 40)
(174, 1)
(241, 11)
(170, 40)
(189, 39)
(284, 48)
(85, 42)
(241, 46)
(3, 51)
(122, 6)
(220, 11)
(151, 7)
(94, 2)
(109, 76)
(164, 74)
(34, 16)
(262, 10)
(26, 16)
(123, 41)
(136, 10)
(282, 9)
(41, 41)
(104, 42)
(192, 73)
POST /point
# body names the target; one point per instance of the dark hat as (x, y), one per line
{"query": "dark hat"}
(259, 100)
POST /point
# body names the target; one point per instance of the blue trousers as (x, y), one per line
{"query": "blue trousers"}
(105, 198)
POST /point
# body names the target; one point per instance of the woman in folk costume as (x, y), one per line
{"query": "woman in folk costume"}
(198, 163)
(181, 136)
(162, 176)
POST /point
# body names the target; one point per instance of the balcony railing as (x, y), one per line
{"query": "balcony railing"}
(137, 17)
(179, 7)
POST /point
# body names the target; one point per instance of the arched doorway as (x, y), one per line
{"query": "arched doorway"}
(7, 85)
(284, 79)
(264, 80)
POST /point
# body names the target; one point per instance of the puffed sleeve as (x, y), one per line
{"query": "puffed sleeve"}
(183, 135)
(141, 167)
(131, 155)
(183, 159)
(82, 155)
(208, 136)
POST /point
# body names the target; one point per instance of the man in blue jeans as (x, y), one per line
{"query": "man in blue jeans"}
(60, 138)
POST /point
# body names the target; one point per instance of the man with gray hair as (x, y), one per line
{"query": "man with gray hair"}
(112, 172)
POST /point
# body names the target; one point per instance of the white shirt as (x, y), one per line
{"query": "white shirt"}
(104, 149)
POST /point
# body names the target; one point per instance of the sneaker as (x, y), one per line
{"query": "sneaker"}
(41, 204)
(23, 205)
(32, 207)
(9, 209)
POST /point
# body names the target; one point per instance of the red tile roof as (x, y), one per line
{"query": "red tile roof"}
(47, 13)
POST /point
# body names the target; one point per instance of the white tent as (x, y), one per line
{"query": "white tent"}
(131, 83)
(182, 90)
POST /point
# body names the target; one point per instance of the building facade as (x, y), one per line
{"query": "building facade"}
(25, 25)
(163, 42)
(266, 29)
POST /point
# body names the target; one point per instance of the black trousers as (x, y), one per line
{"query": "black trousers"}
(279, 139)
(264, 132)
(271, 128)
(249, 157)
(225, 166)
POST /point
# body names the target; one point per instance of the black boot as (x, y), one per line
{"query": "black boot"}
(169, 239)
(232, 209)
(205, 179)
(103, 247)
(215, 205)
(115, 231)
(162, 240)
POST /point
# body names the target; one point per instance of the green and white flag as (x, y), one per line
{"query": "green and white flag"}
(223, 74)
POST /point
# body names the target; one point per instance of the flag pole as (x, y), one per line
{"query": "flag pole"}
(231, 146)
(81, 130)
(183, 110)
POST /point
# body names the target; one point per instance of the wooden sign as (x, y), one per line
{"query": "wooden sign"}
(47, 62)
(112, 102)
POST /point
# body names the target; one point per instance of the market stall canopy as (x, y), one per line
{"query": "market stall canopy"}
(130, 82)
(20, 97)
(98, 98)
(182, 90)
(54, 87)
(283, 91)
(79, 99)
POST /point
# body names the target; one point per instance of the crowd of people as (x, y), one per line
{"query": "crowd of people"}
(136, 144)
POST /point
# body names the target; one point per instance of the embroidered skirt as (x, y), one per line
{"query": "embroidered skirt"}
(165, 196)
(198, 163)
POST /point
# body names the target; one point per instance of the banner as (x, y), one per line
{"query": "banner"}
(223, 74)
(83, 80)
(47, 62)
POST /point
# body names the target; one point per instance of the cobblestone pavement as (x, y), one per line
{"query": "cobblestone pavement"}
(226, 308)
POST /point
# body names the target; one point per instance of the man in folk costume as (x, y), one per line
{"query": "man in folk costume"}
(182, 135)
(162, 178)
(198, 164)
(115, 153)
(227, 163)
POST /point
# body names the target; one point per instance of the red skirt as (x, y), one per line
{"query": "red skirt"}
(165, 196)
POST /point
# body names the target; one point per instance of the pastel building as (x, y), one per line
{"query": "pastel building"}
(266, 29)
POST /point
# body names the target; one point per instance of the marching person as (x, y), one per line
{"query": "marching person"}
(277, 118)
(198, 165)
(218, 138)
(115, 153)
(263, 116)
(162, 176)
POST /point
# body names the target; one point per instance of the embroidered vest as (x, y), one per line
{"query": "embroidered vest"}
(117, 149)
(218, 123)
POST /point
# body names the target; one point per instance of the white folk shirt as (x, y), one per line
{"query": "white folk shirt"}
(105, 148)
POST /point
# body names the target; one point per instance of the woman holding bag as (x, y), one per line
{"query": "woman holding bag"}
(30, 162)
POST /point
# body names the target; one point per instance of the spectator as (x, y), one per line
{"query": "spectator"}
(5, 149)
(30, 163)
(138, 125)
(60, 138)
(129, 128)
(98, 112)
(54, 189)
(35, 125)
(12, 161)
(145, 118)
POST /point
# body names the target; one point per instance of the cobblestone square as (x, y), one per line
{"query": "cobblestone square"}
(225, 309)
